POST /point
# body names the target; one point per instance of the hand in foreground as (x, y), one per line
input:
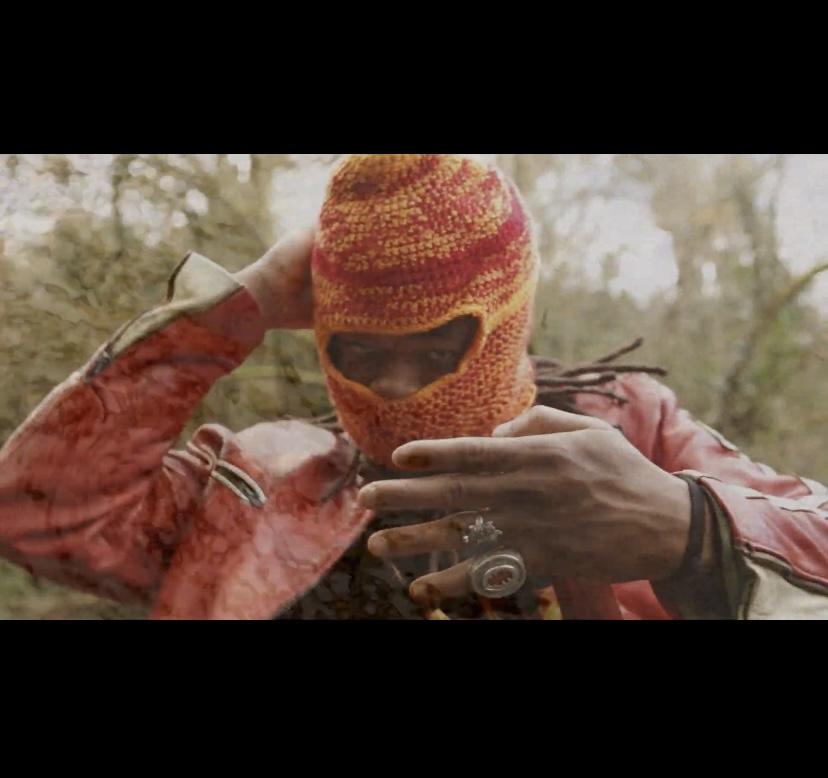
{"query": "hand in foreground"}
(568, 492)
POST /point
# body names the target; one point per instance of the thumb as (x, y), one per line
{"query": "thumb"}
(541, 420)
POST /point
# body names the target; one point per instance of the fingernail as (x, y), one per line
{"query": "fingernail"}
(405, 457)
(416, 461)
(377, 545)
(418, 592)
(425, 594)
(367, 497)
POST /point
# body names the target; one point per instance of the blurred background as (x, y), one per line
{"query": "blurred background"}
(716, 260)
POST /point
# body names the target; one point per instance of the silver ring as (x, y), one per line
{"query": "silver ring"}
(499, 574)
(481, 531)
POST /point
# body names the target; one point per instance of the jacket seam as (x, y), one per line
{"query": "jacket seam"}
(769, 559)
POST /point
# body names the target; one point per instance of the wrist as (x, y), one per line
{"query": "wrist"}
(262, 292)
(671, 521)
(696, 589)
(691, 547)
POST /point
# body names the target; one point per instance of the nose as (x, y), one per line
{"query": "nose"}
(399, 378)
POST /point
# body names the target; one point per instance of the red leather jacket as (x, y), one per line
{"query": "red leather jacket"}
(234, 526)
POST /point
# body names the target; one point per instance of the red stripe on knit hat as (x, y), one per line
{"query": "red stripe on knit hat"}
(392, 308)
(456, 271)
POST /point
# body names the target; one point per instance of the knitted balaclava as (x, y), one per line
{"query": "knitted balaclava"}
(407, 243)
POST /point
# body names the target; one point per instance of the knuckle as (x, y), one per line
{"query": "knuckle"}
(543, 417)
(459, 523)
(455, 490)
(544, 450)
(474, 453)
(549, 447)
(602, 437)
(600, 424)
(526, 489)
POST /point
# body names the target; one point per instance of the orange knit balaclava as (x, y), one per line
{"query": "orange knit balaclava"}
(407, 243)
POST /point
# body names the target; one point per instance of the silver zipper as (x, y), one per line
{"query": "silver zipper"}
(239, 482)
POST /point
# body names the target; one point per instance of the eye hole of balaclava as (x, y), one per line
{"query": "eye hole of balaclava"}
(397, 366)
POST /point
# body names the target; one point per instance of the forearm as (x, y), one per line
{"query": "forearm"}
(164, 359)
(86, 470)
(772, 528)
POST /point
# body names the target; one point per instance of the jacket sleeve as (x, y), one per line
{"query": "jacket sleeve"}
(91, 494)
(772, 528)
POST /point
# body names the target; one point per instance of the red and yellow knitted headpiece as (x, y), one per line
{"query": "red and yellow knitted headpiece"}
(407, 243)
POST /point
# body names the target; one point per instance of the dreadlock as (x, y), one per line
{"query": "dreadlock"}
(558, 385)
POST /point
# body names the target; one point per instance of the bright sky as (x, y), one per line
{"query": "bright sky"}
(648, 266)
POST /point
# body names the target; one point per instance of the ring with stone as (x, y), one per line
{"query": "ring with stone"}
(480, 532)
(499, 574)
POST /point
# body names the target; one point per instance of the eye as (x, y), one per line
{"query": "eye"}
(356, 349)
(442, 355)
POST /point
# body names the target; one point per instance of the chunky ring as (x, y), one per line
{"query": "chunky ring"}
(499, 574)
(481, 531)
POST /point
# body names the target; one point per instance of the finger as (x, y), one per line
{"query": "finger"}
(431, 589)
(469, 454)
(447, 492)
(541, 420)
(445, 534)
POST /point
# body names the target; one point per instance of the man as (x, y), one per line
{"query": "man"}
(451, 487)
